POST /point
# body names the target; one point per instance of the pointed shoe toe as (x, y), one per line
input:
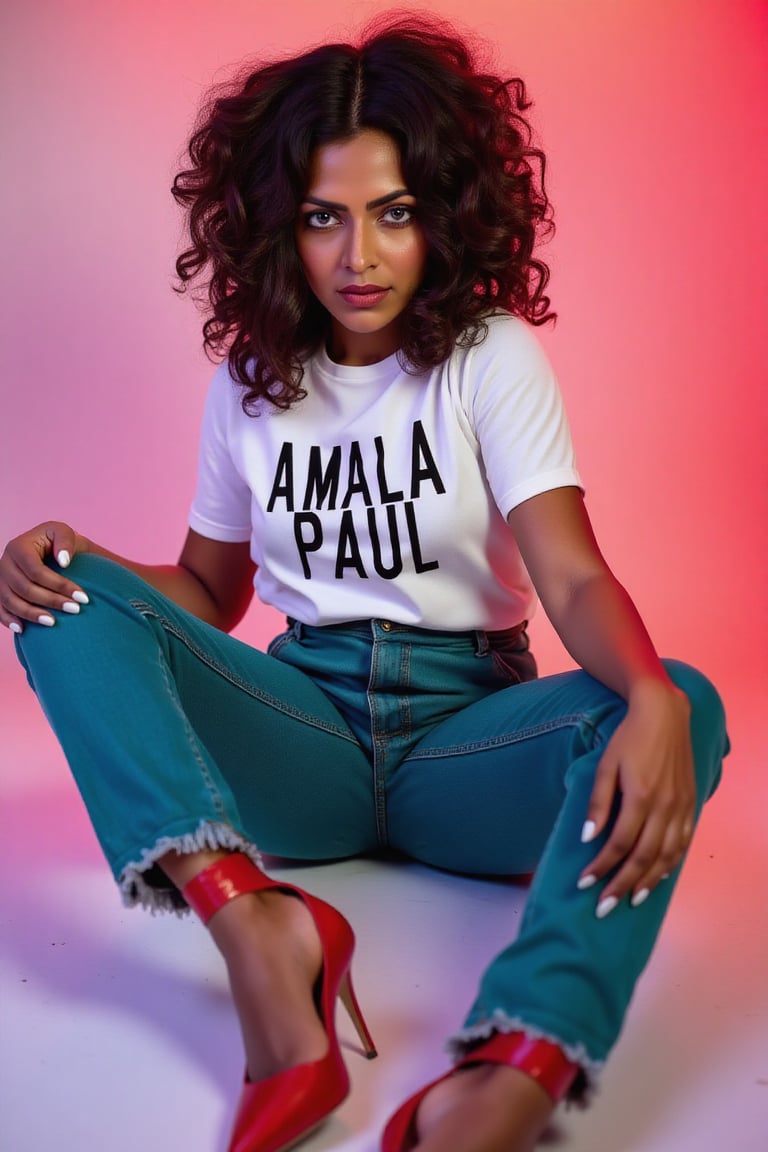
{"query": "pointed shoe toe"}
(275, 1114)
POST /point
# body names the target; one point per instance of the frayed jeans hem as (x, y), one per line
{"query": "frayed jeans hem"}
(584, 1087)
(142, 882)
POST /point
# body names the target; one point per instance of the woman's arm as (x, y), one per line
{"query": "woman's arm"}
(213, 580)
(649, 759)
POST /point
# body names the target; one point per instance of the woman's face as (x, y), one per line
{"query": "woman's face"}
(360, 244)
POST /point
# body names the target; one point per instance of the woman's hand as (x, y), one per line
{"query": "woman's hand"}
(30, 591)
(647, 768)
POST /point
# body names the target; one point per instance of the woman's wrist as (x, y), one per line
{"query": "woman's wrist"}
(653, 690)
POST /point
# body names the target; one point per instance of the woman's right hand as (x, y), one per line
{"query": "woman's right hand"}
(30, 591)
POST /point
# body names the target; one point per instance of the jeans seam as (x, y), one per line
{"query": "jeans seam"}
(378, 748)
(507, 739)
(403, 699)
(147, 610)
(276, 646)
(193, 742)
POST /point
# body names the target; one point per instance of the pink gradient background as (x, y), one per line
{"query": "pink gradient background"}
(653, 115)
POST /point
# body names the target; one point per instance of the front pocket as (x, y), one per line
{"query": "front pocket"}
(511, 656)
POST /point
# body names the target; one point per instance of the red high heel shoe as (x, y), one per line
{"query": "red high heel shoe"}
(274, 1114)
(545, 1062)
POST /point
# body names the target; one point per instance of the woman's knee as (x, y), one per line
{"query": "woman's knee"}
(113, 587)
(708, 730)
(112, 591)
(99, 574)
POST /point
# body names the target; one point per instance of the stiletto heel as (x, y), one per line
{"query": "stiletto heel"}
(274, 1114)
(349, 1000)
(545, 1062)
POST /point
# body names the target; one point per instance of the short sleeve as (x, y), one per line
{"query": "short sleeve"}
(519, 417)
(221, 508)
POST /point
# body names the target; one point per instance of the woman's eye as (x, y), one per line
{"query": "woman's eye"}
(398, 214)
(319, 219)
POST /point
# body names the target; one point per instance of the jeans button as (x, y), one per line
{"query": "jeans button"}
(386, 625)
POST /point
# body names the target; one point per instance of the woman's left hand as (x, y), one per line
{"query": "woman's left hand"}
(648, 765)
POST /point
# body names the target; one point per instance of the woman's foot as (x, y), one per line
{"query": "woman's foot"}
(483, 1108)
(288, 955)
(274, 957)
(497, 1099)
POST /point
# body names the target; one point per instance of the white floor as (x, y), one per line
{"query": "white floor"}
(117, 1032)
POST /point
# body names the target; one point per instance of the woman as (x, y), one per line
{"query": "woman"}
(385, 456)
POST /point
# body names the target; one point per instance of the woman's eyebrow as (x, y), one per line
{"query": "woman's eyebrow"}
(371, 203)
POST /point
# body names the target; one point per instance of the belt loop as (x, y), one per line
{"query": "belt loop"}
(298, 629)
(482, 647)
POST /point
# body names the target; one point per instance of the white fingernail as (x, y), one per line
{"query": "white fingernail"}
(80, 597)
(588, 831)
(68, 606)
(14, 627)
(605, 906)
(586, 882)
(46, 619)
(666, 876)
(640, 897)
(63, 558)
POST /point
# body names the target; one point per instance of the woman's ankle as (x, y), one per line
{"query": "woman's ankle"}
(181, 867)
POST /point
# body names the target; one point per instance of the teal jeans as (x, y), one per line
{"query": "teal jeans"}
(350, 739)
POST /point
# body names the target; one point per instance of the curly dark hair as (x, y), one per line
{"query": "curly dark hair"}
(467, 156)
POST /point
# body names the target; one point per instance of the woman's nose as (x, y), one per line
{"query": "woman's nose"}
(360, 249)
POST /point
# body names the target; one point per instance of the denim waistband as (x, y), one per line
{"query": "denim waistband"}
(371, 627)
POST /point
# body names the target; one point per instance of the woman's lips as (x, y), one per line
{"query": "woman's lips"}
(364, 296)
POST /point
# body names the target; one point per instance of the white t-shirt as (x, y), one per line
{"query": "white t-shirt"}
(383, 494)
